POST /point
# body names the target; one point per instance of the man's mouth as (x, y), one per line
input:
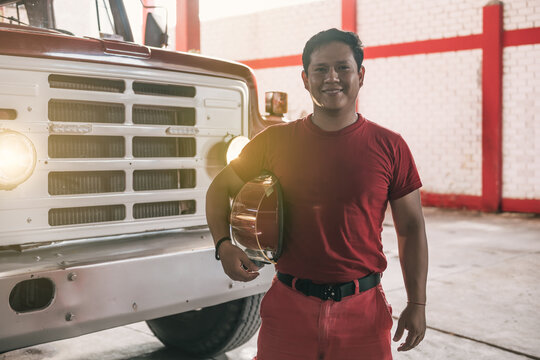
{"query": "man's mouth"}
(332, 91)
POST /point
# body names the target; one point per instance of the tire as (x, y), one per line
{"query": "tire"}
(212, 330)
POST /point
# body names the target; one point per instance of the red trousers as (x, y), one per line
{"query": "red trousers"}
(299, 327)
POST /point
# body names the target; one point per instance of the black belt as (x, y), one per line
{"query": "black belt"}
(326, 291)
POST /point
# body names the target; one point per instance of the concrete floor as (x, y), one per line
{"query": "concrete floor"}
(483, 293)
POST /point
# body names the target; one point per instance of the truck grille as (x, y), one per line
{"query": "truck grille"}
(117, 149)
(86, 182)
(86, 111)
(125, 151)
(145, 88)
(159, 209)
(86, 83)
(163, 147)
(80, 146)
(163, 115)
(144, 180)
(85, 215)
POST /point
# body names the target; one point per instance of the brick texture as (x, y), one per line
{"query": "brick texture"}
(272, 33)
(521, 14)
(521, 122)
(397, 21)
(434, 101)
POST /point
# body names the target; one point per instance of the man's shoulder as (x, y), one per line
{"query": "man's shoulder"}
(282, 128)
(382, 132)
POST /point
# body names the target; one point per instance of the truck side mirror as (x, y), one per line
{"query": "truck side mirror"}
(276, 103)
(154, 34)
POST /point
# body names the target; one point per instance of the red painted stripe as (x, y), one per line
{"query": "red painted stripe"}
(471, 202)
(510, 38)
(291, 60)
(348, 15)
(188, 28)
(452, 201)
(492, 108)
(425, 47)
(521, 37)
(521, 205)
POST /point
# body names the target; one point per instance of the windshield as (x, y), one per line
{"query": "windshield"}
(92, 18)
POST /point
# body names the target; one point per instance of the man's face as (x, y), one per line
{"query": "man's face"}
(333, 79)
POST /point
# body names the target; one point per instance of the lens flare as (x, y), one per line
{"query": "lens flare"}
(235, 147)
(17, 158)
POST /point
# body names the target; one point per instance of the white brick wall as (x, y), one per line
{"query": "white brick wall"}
(434, 101)
(521, 14)
(272, 33)
(521, 122)
(397, 21)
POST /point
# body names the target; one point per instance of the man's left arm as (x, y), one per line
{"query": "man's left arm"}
(413, 256)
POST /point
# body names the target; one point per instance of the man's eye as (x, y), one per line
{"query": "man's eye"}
(320, 69)
(344, 67)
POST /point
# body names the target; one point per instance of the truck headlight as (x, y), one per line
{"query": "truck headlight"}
(17, 158)
(235, 146)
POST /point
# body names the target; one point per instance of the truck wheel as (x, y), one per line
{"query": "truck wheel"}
(212, 330)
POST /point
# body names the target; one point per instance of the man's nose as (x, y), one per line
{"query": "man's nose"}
(331, 75)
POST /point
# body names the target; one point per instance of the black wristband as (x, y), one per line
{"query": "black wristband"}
(218, 244)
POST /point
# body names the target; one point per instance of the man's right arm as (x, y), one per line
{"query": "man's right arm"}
(233, 259)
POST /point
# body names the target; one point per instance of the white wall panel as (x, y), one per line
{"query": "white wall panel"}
(521, 122)
(272, 33)
(434, 101)
(397, 21)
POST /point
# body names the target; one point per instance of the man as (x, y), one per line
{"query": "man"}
(338, 171)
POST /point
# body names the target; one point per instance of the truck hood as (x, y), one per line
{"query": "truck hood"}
(18, 40)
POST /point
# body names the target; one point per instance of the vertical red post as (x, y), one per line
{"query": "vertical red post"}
(145, 13)
(188, 27)
(348, 15)
(492, 52)
(348, 19)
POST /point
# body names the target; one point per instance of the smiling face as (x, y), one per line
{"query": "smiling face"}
(333, 79)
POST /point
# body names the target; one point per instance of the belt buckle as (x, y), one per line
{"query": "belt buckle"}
(331, 292)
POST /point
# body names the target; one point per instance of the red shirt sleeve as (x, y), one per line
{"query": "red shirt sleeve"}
(405, 178)
(252, 159)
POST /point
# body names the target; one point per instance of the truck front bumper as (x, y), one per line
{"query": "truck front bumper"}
(111, 281)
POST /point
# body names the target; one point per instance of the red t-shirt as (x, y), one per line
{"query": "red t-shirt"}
(336, 186)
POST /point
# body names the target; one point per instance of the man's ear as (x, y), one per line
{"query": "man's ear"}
(305, 79)
(361, 74)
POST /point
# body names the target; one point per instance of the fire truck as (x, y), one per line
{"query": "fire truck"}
(107, 148)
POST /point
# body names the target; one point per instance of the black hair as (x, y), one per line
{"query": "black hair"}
(328, 36)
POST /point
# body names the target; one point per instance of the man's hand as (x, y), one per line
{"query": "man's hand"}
(413, 319)
(236, 263)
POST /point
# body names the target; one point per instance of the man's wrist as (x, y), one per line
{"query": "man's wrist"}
(218, 245)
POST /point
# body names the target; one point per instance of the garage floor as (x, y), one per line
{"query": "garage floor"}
(483, 293)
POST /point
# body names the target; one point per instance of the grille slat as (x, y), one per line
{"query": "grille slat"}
(80, 146)
(85, 215)
(86, 111)
(163, 179)
(163, 115)
(162, 209)
(86, 182)
(163, 147)
(86, 83)
(145, 88)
